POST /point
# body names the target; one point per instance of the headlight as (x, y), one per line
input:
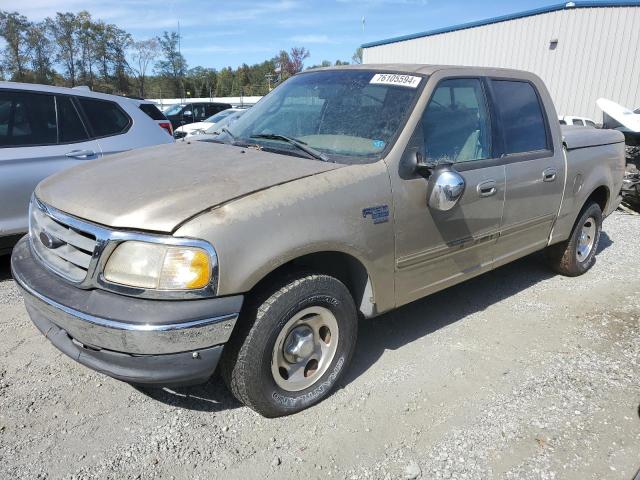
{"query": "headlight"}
(157, 266)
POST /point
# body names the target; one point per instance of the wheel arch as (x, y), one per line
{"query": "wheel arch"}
(343, 266)
(599, 195)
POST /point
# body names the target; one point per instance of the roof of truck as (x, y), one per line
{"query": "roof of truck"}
(423, 69)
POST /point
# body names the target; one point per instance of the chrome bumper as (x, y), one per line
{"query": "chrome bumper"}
(123, 324)
(95, 332)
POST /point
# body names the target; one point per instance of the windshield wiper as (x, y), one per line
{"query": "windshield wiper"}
(296, 143)
(228, 132)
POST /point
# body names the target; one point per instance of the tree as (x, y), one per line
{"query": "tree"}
(357, 56)
(86, 40)
(63, 28)
(119, 42)
(173, 65)
(144, 53)
(297, 56)
(14, 28)
(42, 50)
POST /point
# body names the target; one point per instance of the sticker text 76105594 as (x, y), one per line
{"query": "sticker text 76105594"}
(395, 79)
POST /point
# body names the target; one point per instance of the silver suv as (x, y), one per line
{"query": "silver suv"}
(46, 129)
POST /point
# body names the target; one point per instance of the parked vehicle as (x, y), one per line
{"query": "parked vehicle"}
(45, 129)
(217, 128)
(200, 127)
(345, 193)
(185, 113)
(156, 114)
(578, 121)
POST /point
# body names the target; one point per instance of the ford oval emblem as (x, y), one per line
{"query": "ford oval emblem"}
(49, 241)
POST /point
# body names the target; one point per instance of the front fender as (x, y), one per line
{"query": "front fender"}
(329, 212)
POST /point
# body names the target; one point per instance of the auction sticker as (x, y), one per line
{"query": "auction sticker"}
(396, 79)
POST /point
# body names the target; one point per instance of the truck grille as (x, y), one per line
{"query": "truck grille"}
(64, 249)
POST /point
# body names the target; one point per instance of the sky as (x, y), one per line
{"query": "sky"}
(229, 33)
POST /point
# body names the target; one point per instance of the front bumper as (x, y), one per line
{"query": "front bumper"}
(132, 339)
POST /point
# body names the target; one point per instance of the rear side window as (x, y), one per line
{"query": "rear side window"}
(562, 122)
(152, 111)
(578, 122)
(523, 122)
(27, 119)
(105, 118)
(70, 127)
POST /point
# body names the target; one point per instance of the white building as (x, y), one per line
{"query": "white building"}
(582, 50)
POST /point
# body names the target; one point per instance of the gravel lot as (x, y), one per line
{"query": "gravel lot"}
(517, 374)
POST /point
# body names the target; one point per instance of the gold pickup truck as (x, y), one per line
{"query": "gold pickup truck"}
(344, 193)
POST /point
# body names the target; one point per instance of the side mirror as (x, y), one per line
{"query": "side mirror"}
(446, 186)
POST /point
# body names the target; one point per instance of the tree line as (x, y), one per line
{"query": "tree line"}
(73, 49)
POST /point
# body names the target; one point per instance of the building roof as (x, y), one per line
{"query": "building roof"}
(505, 18)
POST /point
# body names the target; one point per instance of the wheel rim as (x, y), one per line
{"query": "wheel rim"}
(586, 240)
(305, 348)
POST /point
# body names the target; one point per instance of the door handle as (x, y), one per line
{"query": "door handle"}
(487, 188)
(81, 154)
(549, 175)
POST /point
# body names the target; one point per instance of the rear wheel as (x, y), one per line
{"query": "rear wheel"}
(578, 254)
(292, 345)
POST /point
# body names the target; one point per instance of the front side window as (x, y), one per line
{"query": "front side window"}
(456, 125)
(350, 116)
(106, 118)
(521, 114)
(578, 122)
(27, 119)
(589, 123)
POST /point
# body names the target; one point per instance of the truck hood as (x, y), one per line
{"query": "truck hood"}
(158, 188)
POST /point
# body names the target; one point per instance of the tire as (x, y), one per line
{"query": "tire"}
(303, 310)
(578, 254)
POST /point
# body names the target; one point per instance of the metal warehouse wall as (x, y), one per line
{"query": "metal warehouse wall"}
(597, 54)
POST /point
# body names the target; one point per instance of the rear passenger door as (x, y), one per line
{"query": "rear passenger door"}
(106, 122)
(534, 170)
(40, 134)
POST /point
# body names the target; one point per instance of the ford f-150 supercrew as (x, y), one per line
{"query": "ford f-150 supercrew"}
(344, 193)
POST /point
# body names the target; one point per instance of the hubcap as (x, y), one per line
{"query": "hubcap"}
(586, 240)
(304, 349)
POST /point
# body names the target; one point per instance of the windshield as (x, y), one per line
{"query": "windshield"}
(219, 116)
(351, 116)
(174, 110)
(225, 122)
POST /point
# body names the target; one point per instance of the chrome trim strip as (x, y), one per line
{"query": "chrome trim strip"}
(106, 242)
(123, 337)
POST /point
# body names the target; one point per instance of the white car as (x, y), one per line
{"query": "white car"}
(580, 121)
(200, 127)
(216, 129)
(46, 129)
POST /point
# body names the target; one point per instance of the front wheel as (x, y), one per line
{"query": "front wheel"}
(292, 345)
(578, 254)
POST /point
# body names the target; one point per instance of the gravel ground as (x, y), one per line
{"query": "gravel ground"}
(518, 374)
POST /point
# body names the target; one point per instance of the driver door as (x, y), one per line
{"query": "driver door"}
(438, 248)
